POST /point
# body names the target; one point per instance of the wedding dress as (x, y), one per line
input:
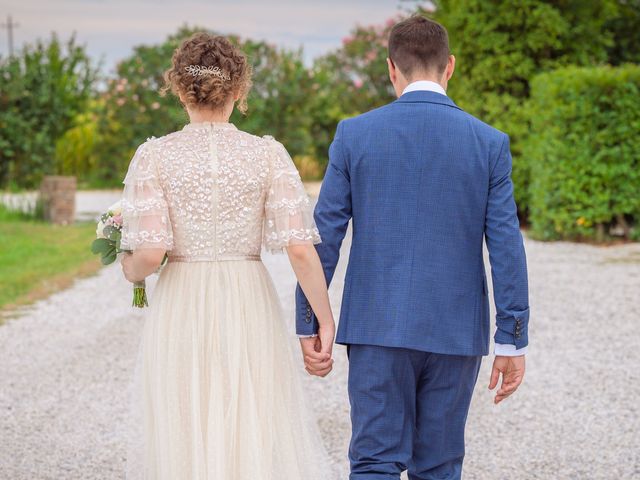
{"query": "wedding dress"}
(218, 392)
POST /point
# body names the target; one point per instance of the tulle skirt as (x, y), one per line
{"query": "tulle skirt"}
(217, 391)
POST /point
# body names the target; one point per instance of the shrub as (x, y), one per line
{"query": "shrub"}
(309, 167)
(75, 150)
(584, 152)
(501, 45)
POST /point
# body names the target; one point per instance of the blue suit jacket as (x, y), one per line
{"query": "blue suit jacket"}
(423, 183)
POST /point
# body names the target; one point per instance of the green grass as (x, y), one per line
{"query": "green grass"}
(37, 258)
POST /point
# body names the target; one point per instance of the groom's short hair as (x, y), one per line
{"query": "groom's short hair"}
(419, 44)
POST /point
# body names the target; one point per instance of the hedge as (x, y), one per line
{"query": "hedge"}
(584, 151)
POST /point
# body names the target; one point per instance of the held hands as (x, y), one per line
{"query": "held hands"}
(512, 370)
(317, 351)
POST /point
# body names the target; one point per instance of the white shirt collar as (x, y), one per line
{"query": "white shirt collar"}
(425, 85)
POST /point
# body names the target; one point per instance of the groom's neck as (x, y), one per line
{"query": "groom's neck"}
(402, 86)
(427, 78)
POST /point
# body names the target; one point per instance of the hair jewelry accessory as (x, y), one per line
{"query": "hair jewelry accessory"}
(196, 70)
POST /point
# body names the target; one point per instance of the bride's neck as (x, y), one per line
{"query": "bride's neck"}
(209, 115)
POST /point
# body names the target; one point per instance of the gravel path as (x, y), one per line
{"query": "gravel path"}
(67, 360)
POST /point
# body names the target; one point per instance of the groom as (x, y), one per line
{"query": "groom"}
(424, 184)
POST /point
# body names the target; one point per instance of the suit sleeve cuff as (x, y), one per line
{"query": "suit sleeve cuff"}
(508, 350)
(513, 328)
(306, 323)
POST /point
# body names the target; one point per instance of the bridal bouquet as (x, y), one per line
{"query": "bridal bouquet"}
(107, 245)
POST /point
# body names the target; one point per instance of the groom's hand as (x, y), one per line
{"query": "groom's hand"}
(512, 370)
(317, 351)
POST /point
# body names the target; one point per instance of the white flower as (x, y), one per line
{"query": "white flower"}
(100, 229)
(115, 209)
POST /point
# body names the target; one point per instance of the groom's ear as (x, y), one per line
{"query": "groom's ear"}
(393, 73)
(451, 66)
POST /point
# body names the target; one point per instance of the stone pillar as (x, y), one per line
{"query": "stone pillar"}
(58, 198)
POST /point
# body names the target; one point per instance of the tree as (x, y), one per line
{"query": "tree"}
(360, 67)
(625, 27)
(42, 90)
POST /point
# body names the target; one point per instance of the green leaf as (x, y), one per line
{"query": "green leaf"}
(109, 258)
(100, 245)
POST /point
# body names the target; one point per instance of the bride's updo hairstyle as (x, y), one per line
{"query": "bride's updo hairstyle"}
(208, 69)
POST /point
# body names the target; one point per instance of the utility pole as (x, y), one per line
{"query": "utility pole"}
(10, 25)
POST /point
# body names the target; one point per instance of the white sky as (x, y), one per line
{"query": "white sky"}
(110, 28)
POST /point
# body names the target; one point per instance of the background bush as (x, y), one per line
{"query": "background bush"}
(584, 152)
(75, 150)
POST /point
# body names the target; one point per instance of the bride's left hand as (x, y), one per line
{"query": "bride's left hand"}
(128, 267)
(140, 264)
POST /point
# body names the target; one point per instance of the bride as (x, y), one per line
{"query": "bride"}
(219, 395)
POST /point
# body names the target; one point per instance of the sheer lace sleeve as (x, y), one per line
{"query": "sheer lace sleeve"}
(288, 212)
(145, 213)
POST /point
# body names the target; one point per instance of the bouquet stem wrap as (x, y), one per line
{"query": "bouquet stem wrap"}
(140, 295)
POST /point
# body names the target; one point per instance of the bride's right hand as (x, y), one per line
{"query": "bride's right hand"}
(308, 269)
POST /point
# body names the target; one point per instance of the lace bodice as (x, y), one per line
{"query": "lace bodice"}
(212, 192)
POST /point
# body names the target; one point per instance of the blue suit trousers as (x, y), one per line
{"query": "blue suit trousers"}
(408, 412)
